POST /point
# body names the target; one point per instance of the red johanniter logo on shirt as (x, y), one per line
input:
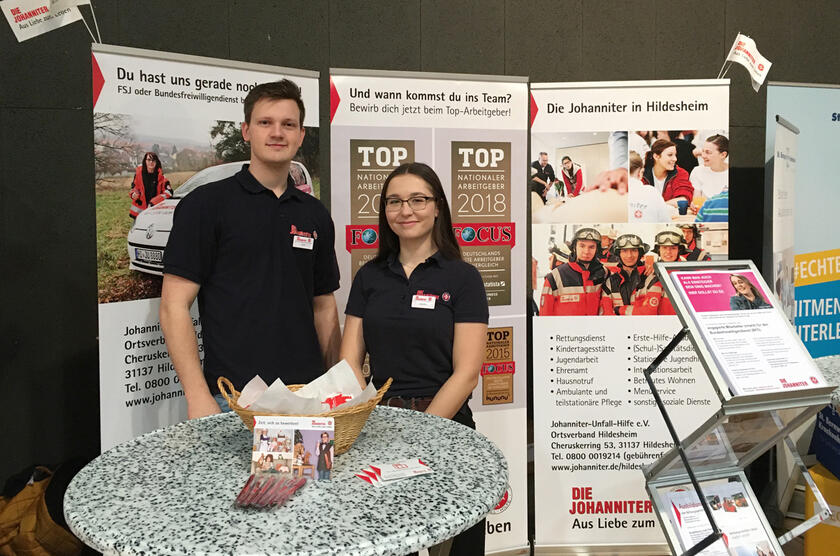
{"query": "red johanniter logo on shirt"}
(489, 233)
(363, 236)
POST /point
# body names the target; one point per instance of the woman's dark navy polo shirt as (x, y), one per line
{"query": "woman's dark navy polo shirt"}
(236, 239)
(414, 345)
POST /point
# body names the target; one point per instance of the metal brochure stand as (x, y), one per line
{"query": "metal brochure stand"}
(745, 426)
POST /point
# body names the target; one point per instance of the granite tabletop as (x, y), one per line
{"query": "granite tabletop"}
(171, 492)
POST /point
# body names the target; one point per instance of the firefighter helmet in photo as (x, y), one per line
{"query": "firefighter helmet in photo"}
(630, 241)
(669, 237)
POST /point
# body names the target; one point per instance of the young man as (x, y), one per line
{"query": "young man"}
(544, 177)
(606, 253)
(621, 288)
(651, 298)
(691, 236)
(258, 253)
(575, 287)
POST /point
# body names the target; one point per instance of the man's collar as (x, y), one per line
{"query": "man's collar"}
(252, 185)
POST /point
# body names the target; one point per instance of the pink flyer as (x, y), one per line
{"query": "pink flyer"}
(723, 291)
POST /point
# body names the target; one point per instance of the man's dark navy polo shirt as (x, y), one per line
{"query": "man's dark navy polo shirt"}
(414, 345)
(236, 239)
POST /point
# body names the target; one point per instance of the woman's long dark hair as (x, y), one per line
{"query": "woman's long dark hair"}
(442, 233)
(157, 162)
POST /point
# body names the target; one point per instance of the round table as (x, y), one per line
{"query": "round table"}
(171, 492)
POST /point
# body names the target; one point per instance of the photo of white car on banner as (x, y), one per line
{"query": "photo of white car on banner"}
(150, 232)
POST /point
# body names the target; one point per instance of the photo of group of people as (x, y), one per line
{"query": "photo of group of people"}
(597, 269)
(677, 176)
(295, 452)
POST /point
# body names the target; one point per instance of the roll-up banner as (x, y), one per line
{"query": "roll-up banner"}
(783, 203)
(186, 111)
(642, 166)
(473, 131)
(815, 270)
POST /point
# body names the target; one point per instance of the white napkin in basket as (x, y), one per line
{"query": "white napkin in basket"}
(337, 388)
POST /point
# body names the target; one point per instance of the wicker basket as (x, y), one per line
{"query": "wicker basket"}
(349, 422)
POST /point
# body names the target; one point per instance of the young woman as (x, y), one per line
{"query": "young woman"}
(418, 310)
(713, 177)
(662, 172)
(746, 295)
(149, 186)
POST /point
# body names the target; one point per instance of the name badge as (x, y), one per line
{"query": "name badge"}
(302, 242)
(423, 302)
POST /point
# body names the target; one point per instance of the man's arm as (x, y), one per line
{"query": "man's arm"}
(325, 312)
(176, 299)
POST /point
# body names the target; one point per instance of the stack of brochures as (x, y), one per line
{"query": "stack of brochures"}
(381, 474)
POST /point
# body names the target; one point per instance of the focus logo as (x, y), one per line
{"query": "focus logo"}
(362, 237)
(503, 233)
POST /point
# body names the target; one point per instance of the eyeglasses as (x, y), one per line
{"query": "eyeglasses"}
(394, 204)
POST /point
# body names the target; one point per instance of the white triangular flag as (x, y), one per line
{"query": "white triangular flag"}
(30, 18)
(744, 52)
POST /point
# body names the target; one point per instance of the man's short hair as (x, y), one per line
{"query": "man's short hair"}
(543, 153)
(275, 90)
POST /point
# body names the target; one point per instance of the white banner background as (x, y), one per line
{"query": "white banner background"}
(596, 395)
(162, 98)
(430, 114)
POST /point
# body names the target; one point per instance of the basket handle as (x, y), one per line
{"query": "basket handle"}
(227, 390)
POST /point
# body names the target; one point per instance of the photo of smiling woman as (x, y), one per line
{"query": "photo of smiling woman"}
(747, 296)
(662, 172)
(419, 310)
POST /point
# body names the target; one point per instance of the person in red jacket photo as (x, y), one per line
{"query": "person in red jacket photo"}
(662, 172)
(575, 287)
(149, 186)
(572, 177)
(621, 288)
(651, 298)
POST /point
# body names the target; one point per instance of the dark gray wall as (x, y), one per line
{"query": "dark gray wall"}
(48, 350)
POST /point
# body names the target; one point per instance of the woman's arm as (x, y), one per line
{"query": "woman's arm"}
(467, 358)
(353, 346)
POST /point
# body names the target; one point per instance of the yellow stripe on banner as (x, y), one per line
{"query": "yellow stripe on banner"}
(816, 268)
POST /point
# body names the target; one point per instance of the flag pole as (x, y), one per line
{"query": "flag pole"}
(95, 23)
(87, 26)
(723, 68)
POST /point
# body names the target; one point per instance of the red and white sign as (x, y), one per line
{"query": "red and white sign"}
(744, 52)
(30, 18)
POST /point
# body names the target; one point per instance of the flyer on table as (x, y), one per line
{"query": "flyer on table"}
(172, 122)
(472, 130)
(621, 175)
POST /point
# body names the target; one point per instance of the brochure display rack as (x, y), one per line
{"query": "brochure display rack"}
(767, 385)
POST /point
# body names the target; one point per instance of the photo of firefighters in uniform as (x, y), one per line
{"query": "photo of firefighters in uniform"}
(590, 270)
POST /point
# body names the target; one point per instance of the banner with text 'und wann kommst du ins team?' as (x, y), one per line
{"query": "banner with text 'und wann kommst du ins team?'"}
(472, 130)
(597, 327)
(186, 111)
